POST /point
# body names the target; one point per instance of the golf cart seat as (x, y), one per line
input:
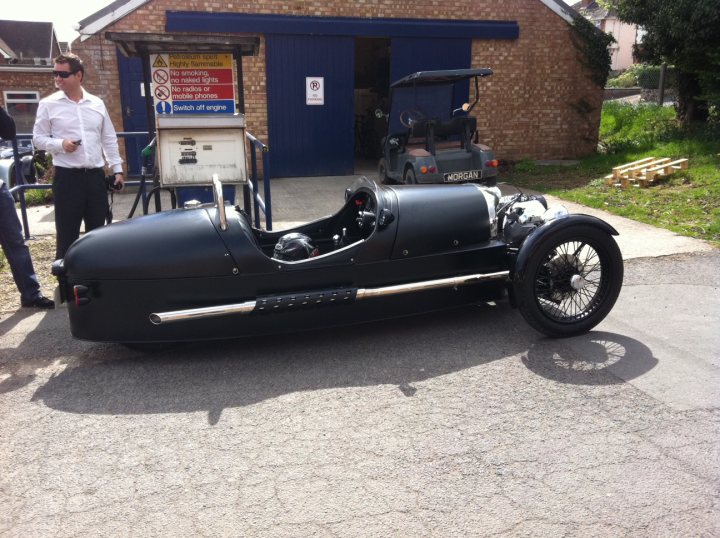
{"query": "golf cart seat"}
(432, 130)
(456, 126)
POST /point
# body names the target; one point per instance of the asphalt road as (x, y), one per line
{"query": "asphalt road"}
(466, 423)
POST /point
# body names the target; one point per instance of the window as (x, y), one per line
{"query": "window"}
(22, 106)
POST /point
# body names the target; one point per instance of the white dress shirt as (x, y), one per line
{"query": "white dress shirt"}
(59, 118)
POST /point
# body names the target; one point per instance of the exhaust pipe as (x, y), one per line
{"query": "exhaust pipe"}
(452, 282)
(202, 313)
(318, 298)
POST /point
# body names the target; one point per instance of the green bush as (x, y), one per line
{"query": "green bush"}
(635, 127)
(625, 80)
(45, 173)
(38, 196)
(644, 76)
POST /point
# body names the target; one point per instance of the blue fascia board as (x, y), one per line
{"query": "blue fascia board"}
(193, 21)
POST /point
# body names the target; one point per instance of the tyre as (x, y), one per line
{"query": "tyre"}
(382, 172)
(571, 281)
(12, 181)
(409, 176)
(29, 179)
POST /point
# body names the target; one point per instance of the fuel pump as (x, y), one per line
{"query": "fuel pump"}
(191, 148)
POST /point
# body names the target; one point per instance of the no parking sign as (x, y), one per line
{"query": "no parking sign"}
(314, 90)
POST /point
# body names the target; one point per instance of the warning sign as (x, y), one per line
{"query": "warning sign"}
(190, 83)
(162, 93)
(161, 76)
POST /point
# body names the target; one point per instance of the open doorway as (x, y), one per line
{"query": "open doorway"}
(372, 79)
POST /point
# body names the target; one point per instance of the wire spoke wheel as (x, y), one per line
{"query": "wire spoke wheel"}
(568, 283)
(573, 279)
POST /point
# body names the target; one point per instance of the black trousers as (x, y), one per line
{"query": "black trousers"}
(80, 195)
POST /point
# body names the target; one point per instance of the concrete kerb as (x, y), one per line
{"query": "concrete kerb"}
(299, 200)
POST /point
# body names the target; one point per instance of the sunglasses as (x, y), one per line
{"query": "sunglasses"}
(63, 74)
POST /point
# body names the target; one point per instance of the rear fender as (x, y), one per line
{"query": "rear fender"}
(27, 168)
(517, 270)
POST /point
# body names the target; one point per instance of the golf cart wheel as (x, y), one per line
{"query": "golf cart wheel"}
(382, 172)
(409, 176)
(571, 282)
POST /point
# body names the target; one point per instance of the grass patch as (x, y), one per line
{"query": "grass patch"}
(687, 202)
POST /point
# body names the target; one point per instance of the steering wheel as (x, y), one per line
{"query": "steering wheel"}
(366, 214)
(410, 116)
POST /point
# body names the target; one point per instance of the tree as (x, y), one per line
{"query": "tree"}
(686, 34)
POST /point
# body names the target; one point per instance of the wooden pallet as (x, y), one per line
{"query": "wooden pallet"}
(644, 172)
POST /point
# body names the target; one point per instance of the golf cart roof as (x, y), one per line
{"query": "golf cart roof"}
(448, 76)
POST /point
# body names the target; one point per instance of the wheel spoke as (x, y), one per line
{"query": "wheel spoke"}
(554, 289)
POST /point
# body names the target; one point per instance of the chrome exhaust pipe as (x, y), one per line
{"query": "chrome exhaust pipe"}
(452, 282)
(321, 297)
(202, 313)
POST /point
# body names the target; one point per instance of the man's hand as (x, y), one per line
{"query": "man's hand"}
(119, 181)
(70, 146)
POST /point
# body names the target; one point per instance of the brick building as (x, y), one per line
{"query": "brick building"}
(26, 52)
(534, 106)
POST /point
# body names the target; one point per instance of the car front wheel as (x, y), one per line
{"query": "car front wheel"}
(572, 280)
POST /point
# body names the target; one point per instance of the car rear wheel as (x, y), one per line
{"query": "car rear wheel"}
(571, 282)
(409, 176)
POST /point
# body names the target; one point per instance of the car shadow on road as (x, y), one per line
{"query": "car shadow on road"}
(218, 375)
(577, 360)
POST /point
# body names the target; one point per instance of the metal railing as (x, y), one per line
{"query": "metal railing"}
(258, 203)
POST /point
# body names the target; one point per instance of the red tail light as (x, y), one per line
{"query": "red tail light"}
(80, 292)
(493, 163)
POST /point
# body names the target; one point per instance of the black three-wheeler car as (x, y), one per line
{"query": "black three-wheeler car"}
(207, 273)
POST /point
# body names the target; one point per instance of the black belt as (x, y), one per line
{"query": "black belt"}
(81, 170)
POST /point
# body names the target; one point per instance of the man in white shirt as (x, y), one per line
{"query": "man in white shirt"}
(75, 128)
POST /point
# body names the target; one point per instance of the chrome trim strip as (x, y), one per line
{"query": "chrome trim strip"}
(201, 313)
(451, 282)
(366, 293)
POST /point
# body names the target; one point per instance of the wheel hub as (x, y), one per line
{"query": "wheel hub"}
(577, 282)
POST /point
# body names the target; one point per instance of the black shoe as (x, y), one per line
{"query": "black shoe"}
(40, 302)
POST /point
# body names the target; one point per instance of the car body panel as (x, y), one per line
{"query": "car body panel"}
(115, 277)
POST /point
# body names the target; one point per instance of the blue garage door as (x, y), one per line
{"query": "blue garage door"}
(409, 55)
(310, 140)
(134, 110)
